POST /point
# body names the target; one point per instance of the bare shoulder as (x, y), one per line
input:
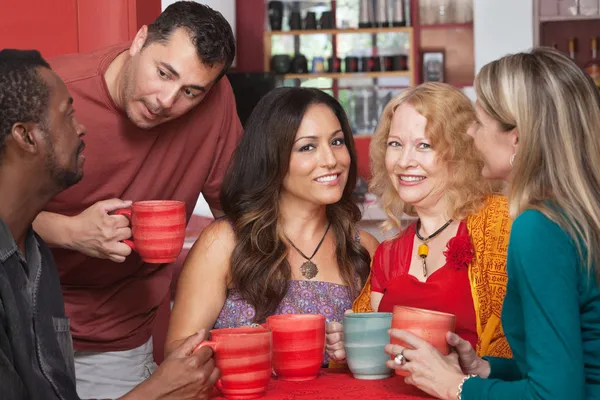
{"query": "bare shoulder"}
(218, 234)
(369, 242)
(215, 244)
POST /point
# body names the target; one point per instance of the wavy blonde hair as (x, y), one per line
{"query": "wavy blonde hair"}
(449, 115)
(555, 107)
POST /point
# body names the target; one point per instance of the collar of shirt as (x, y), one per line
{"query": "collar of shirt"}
(8, 246)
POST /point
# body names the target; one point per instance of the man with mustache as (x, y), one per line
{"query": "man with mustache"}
(162, 125)
(40, 156)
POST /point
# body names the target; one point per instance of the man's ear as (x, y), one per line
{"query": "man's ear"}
(139, 40)
(27, 136)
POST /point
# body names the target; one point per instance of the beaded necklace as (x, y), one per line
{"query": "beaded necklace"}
(423, 249)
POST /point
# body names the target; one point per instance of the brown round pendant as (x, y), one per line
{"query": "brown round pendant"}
(309, 270)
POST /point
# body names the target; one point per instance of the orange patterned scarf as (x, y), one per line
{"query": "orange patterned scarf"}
(489, 230)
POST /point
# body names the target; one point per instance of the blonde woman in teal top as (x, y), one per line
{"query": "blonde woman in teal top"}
(538, 129)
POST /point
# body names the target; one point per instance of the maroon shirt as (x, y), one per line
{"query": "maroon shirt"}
(111, 305)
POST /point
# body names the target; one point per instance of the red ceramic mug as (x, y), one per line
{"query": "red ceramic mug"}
(298, 345)
(244, 357)
(429, 325)
(158, 229)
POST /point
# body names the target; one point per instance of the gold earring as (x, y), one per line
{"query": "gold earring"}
(512, 159)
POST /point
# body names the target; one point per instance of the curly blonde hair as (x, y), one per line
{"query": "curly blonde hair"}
(449, 115)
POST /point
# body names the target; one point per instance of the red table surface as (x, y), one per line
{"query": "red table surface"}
(338, 384)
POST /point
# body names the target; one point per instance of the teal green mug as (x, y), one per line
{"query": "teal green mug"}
(365, 336)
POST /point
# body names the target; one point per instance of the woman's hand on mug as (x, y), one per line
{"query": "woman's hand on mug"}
(470, 363)
(430, 371)
(334, 343)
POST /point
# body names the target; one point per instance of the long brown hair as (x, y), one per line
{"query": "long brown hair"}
(250, 198)
(555, 108)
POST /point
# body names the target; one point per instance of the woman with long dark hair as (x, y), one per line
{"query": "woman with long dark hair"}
(289, 242)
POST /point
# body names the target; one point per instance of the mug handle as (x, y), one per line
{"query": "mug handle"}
(213, 346)
(206, 343)
(126, 212)
(263, 325)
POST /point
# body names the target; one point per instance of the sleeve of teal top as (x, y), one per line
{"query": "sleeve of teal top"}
(543, 264)
(503, 368)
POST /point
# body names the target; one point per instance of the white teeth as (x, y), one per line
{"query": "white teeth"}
(327, 178)
(411, 178)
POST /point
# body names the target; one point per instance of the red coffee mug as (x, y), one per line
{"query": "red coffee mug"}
(158, 229)
(429, 325)
(298, 345)
(244, 357)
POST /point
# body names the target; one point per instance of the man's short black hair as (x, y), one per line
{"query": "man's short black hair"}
(23, 93)
(209, 30)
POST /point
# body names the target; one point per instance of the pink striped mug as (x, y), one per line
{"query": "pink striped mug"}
(244, 357)
(158, 229)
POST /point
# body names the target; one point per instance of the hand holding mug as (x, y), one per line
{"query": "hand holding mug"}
(243, 355)
(184, 374)
(96, 233)
(158, 229)
(426, 367)
(470, 362)
(427, 325)
(334, 342)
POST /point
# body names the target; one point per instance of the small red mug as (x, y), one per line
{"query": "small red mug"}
(244, 357)
(298, 345)
(429, 325)
(158, 229)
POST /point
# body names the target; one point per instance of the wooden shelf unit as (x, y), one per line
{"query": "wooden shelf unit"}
(569, 18)
(412, 55)
(387, 74)
(357, 31)
(557, 30)
(448, 26)
(455, 39)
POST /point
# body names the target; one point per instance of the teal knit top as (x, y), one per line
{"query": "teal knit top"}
(551, 318)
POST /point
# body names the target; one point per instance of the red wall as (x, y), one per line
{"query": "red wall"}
(50, 26)
(69, 26)
(250, 22)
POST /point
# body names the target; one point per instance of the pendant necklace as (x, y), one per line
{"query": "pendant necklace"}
(423, 249)
(309, 269)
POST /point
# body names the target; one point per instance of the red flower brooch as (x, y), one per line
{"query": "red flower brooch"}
(459, 251)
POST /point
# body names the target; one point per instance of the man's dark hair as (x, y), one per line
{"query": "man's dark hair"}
(209, 30)
(23, 93)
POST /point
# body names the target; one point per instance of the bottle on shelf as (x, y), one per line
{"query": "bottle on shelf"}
(366, 14)
(382, 16)
(592, 67)
(407, 20)
(572, 48)
(397, 12)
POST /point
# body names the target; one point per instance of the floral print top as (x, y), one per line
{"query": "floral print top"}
(303, 297)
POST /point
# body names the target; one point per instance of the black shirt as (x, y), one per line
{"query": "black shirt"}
(36, 353)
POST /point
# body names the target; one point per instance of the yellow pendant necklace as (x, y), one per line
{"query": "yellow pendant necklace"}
(423, 249)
